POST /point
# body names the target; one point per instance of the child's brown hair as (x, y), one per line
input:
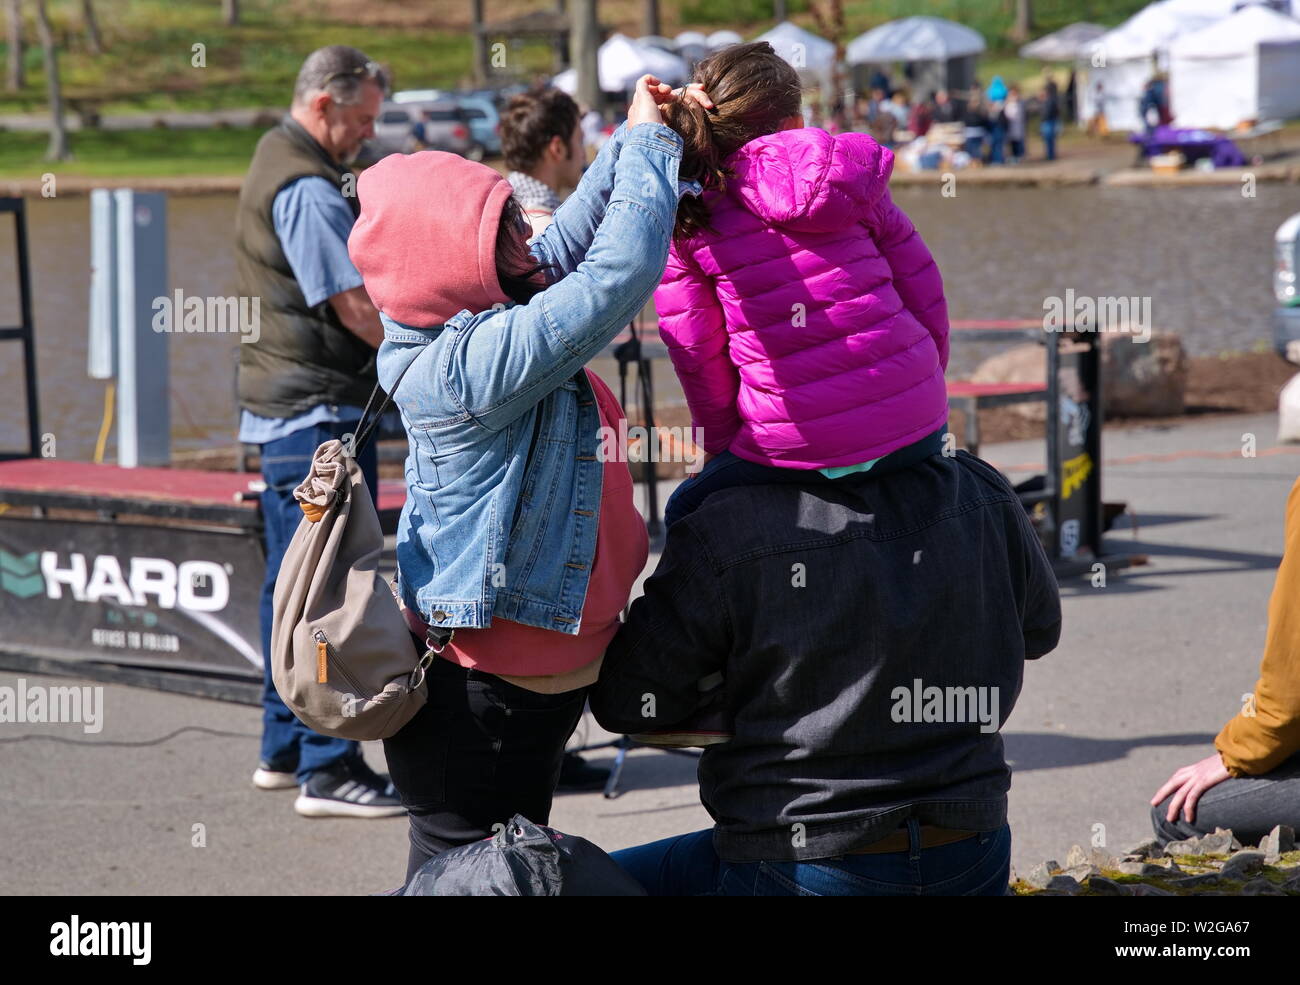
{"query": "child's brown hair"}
(753, 89)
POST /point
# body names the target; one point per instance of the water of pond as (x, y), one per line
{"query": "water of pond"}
(1203, 256)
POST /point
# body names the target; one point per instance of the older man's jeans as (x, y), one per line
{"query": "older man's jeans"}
(1250, 805)
(687, 865)
(288, 744)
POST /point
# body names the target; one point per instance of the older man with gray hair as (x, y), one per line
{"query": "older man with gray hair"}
(306, 378)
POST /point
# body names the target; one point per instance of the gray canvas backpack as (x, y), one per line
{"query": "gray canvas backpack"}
(342, 657)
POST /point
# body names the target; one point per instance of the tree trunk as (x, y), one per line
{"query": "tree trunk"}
(582, 47)
(1024, 21)
(230, 12)
(651, 16)
(479, 40)
(58, 149)
(778, 11)
(828, 15)
(93, 39)
(14, 77)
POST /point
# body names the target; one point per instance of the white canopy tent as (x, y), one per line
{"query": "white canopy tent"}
(941, 53)
(692, 45)
(812, 57)
(1064, 45)
(1123, 60)
(914, 39)
(1246, 67)
(720, 39)
(621, 61)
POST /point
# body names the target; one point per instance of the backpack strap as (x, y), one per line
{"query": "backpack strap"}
(368, 422)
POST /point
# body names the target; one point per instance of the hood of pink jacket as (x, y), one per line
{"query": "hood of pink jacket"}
(811, 180)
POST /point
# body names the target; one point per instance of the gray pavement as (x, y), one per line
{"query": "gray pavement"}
(1149, 668)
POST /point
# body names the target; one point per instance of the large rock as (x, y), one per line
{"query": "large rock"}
(1139, 379)
(1242, 864)
(1277, 843)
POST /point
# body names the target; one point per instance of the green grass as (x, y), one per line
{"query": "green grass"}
(132, 153)
(148, 62)
(147, 65)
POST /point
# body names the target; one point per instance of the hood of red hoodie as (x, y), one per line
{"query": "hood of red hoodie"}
(425, 240)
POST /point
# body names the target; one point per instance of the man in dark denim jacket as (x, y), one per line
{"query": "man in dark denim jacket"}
(871, 633)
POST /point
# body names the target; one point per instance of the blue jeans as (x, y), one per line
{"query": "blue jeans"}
(288, 744)
(687, 865)
(1049, 129)
(997, 140)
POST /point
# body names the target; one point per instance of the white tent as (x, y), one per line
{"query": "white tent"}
(811, 56)
(1246, 67)
(1123, 60)
(622, 61)
(720, 39)
(914, 39)
(1063, 45)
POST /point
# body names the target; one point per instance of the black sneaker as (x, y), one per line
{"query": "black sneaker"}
(578, 774)
(348, 788)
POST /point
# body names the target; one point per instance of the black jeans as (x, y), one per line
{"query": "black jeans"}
(480, 751)
(1250, 805)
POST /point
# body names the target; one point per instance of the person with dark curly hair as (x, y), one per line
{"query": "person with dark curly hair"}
(541, 138)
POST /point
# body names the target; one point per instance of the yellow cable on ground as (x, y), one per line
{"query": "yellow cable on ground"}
(109, 392)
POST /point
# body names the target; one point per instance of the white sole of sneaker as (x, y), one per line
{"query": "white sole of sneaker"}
(320, 807)
(270, 780)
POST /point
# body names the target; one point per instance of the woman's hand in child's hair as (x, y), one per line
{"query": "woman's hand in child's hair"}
(694, 92)
(650, 94)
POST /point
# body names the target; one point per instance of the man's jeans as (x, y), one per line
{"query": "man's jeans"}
(1049, 129)
(687, 865)
(288, 744)
(1250, 805)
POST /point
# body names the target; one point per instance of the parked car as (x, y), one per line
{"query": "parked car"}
(437, 125)
(395, 126)
(484, 123)
(444, 125)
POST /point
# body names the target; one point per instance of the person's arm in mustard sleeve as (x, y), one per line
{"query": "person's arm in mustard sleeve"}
(1251, 744)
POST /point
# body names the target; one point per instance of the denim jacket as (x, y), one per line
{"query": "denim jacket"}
(503, 481)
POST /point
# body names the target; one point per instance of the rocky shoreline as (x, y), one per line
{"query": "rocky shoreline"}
(1215, 864)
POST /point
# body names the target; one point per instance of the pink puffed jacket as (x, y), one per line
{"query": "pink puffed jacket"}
(808, 327)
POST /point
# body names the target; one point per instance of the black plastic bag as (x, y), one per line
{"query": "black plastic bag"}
(523, 859)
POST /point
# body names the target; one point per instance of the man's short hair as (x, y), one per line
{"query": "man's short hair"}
(340, 71)
(530, 121)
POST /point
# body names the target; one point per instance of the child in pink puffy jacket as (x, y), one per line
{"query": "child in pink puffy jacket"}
(802, 312)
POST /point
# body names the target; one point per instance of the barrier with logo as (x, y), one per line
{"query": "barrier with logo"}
(146, 575)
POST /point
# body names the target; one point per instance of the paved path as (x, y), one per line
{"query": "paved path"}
(1148, 670)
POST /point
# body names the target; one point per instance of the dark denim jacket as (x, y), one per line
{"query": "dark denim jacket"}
(831, 611)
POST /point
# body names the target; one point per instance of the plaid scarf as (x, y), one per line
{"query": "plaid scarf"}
(532, 194)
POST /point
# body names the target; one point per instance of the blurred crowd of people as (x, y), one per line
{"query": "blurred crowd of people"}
(994, 120)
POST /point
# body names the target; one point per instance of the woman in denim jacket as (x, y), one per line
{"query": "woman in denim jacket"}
(519, 542)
